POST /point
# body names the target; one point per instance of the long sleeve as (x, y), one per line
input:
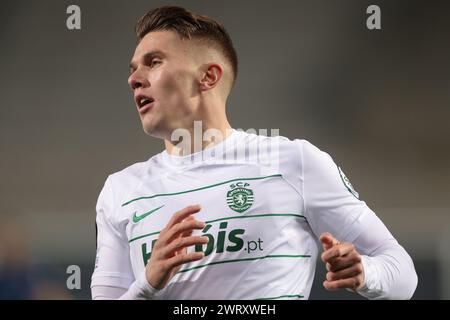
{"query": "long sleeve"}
(332, 205)
(388, 269)
(113, 277)
(138, 290)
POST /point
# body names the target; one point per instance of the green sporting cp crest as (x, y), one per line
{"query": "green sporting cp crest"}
(240, 198)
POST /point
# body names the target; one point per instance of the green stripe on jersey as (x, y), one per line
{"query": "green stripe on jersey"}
(258, 216)
(281, 297)
(270, 256)
(198, 189)
(230, 218)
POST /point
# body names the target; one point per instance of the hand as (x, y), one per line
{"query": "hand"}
(343, 264)
(170, 250)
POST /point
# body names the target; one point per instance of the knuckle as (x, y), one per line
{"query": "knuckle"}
(177, 228)
(176, 215)
(192, 223)
(359, 268)
(340, 275)
(178, 243)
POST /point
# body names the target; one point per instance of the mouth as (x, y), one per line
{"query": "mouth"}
(143, 103)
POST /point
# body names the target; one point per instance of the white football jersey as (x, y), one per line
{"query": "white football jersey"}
(265, 201)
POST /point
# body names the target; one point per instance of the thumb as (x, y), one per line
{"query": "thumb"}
(328, 240)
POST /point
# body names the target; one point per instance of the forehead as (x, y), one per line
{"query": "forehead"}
(167, 42)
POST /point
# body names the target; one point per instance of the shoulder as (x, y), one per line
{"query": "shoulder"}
(120, 184)
(291, 152)
(281, 142)
(129, 173)
(289, 157)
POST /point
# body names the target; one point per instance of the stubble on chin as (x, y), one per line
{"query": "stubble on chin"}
(153, 129)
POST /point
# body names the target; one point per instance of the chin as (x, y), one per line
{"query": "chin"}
(147, 126)
(152, 130)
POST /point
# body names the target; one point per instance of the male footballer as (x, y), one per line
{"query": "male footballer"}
(232, 215)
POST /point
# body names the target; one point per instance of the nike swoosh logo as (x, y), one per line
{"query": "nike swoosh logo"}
(136, 218)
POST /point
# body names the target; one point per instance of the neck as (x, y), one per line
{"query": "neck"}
(197, 138)
(211, 128)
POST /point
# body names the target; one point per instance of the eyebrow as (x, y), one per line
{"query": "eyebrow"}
(147, 56)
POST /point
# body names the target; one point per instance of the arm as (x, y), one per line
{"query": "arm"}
(369, 259)
(113, 266)
(113, 277)
(373, 264)
(389, 270)
(139, 290)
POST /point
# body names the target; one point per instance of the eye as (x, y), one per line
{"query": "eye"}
(154, 62)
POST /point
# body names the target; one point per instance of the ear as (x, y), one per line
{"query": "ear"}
(211, 76)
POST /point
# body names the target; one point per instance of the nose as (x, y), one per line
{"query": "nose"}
(137, 80)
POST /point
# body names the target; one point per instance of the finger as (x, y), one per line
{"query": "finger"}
(350, 283)
(182, 214)
(337, 251)
(343, 262)
(328, 240)
(182, 250)
(180, 259)
(185, 227)
(182, 243)
(188, 232)
(184, 235)
(350, 272)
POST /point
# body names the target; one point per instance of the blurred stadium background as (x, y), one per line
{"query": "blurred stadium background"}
(377, 101)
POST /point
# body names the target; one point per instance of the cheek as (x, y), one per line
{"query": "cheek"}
(179, 84)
